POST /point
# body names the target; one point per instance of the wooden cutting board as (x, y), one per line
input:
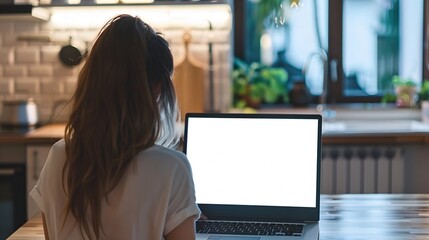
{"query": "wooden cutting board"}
(188, 79)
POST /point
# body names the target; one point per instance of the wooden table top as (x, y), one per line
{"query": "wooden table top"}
(33, 229)
(345, 216)
(374, 216)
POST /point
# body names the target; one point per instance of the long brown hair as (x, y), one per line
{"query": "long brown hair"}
(124, 103)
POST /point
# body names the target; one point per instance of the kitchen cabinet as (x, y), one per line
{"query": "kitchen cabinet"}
(26, 152)
(23, 12)
(12, 187)
(36, 158)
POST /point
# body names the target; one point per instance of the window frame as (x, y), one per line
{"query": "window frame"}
(426, 41)
(335, 93)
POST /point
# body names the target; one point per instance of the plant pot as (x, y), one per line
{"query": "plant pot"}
(425, 111)
(300, 95)
(253, 103)
(405, 96)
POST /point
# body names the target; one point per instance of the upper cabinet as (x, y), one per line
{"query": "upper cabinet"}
(104, 2)
(42, 10)
(216, 14)
(25, 12)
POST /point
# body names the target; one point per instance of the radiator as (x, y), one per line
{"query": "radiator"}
(362, 169)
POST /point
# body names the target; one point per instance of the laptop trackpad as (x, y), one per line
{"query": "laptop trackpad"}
(232, 238)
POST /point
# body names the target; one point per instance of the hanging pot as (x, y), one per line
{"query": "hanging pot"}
(71, 55)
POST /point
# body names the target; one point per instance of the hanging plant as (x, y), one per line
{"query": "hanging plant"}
(271, 12)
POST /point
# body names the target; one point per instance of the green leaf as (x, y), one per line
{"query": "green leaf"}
(398, 81)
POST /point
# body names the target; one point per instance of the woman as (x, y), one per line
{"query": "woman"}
(115, 175)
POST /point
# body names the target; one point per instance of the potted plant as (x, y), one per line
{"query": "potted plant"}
(257, 84)
(405, 91)
(424, 101)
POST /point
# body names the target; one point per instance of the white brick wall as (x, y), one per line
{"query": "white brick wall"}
(6, 56)
(10, 40)
(27, 85)
(6, 87)
(26, 26)
(15, 70)
(27, 55)
(69, 85)
(31, 69)
(39, 70)
(49, 54)
(6, 27)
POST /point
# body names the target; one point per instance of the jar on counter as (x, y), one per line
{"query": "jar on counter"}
(300, 95)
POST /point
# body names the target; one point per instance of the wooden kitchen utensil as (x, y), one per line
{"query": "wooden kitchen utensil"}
(188, 79)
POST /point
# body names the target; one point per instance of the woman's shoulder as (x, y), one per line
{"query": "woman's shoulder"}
(60, 144)
(57, 149)
(158, 151)
(164, 156)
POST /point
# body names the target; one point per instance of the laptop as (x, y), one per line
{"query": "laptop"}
(257, 176)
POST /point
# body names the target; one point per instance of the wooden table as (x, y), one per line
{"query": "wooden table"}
(33, 229)
(374, 216)
(348, 216)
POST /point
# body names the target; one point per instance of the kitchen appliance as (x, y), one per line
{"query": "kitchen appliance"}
(19, 114)
(13, 205)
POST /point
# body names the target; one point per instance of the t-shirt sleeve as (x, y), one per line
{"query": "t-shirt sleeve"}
(182, 203)
(37, 197)
(36, 192)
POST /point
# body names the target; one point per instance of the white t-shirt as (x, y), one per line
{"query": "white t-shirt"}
(155, 195)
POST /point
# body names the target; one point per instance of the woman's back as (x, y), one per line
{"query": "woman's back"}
(150, 201)
(109, 178)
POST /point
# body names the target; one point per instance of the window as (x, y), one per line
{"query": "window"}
(367, 42)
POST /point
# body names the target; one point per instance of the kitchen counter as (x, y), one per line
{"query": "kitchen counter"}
(48, 134)
(365, 123)
(407, 131)
(348, 216)
(375, 131)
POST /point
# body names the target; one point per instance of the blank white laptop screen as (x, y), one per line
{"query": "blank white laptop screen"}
(254, 161)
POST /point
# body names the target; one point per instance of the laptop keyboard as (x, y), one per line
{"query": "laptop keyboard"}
(249, 228)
